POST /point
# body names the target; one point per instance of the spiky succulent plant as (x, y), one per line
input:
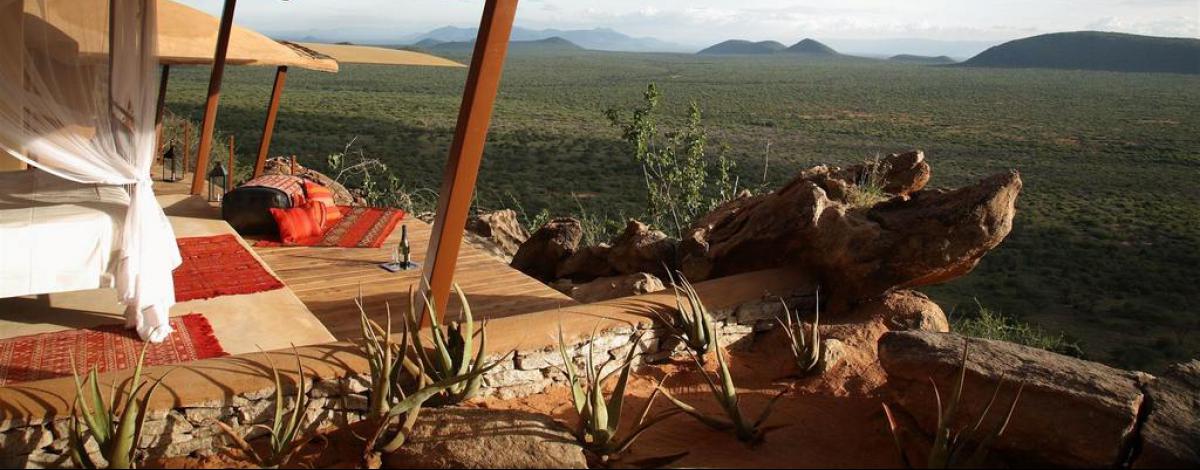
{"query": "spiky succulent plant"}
(116, 429)
(690, 321)
(453, 353)
(957, 448)
(805, 346)
(600, 418)
(286, 425)
(726, 394)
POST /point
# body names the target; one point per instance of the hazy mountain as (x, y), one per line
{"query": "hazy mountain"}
(1095, 50)
(601, 39)
(554, 44)
(922, 59)
(811, 46)
(738, 46)
(884, 48)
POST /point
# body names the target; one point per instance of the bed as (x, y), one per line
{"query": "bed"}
(57, 235)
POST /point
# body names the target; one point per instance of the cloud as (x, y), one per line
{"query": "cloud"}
(1176, 27)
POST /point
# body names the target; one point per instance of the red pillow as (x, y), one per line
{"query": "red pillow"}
(299, 223)
(323, 195)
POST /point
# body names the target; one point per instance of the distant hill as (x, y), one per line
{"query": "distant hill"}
(547, 45)
(922, 59)
(1095, 50)
(601, 39)
(739, 46)
(811, 46)
(428, 43)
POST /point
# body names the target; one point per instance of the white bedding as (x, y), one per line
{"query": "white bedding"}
(57, 235)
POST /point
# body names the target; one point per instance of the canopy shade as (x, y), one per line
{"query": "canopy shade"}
(186, 36)
(354, 54)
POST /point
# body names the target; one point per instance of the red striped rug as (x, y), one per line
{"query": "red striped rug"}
(360, 227)
(216, 266)
(108, 348)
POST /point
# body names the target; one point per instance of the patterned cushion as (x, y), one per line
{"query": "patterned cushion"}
(293, 186)
(321, 194)
(300, 223)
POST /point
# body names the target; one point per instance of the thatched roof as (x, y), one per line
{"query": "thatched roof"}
(355, 54)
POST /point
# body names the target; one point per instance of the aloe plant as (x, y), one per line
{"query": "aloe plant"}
(957, 448)
(451, 354)
(600, 417)
(394, 426)
(116, 429)
(805, 346)
(726, 394)
(387, 360)
(284, 431)
(690, 321)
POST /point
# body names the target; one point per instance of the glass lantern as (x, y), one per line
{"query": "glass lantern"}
(168, 160)
(217, 180)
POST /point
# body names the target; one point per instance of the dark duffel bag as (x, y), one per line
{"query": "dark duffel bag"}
(248, 207)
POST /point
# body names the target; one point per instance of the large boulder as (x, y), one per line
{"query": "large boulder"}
(613, 287)
(485, 438)
(1071, 413)
(1170, 437)
(589, 262)
(640, 249)
(815, 224)
(501, 229)
(550, 245)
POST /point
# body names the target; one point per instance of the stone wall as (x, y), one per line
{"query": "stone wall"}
(343, 399)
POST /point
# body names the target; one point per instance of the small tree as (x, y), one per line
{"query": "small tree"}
(678, 186)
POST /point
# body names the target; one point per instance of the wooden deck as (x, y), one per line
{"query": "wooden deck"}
(328, 279)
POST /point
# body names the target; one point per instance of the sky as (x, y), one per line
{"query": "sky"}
(701, 22)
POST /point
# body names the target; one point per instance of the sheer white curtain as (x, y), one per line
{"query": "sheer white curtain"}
(85, 112)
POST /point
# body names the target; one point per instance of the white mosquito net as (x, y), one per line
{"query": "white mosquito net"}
(84, 111)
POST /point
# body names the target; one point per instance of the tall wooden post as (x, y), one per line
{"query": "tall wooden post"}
(232, 161)
(264, 146)
(158, 112)
(466, 151)
(214, 96)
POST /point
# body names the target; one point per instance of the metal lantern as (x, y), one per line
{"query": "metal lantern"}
(168, 160)
(217, 180)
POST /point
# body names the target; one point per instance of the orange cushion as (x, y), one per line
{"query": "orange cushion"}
(323, 195)
(299, 223)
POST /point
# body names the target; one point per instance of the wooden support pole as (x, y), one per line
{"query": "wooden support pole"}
(466, 151)
(214, 96)
(232, 160)
(264, 146)
(187, 144)
(158, 112)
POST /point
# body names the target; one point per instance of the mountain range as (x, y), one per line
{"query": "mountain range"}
(1095, 50)
(738, 46)
(600, 39)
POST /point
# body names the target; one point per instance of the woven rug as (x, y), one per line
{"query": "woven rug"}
(219, 265)
(108, 348)
(360, 227)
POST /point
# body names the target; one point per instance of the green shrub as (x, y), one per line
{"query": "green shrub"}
(989, 324)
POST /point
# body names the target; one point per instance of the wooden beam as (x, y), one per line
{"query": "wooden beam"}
(466, 151)
(264, 146)
(214, 96)
(162, 101)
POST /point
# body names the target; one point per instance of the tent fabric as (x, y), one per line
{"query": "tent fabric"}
(186, 36)
(85, 113)
(355, 54)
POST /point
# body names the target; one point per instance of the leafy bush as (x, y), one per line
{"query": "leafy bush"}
(989, 324)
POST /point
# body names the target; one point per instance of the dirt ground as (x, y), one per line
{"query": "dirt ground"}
(828, 421)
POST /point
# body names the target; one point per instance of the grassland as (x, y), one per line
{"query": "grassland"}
(1106, 247)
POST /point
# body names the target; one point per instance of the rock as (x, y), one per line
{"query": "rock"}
(615, 287)
(832, 352)
(1072, 412)
(485, 438)
(588, 263)
(909, 310)
(900, 174)
(858, 253)
(638, 249)
(550, 245)
(501, 228)
(1170, 437)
